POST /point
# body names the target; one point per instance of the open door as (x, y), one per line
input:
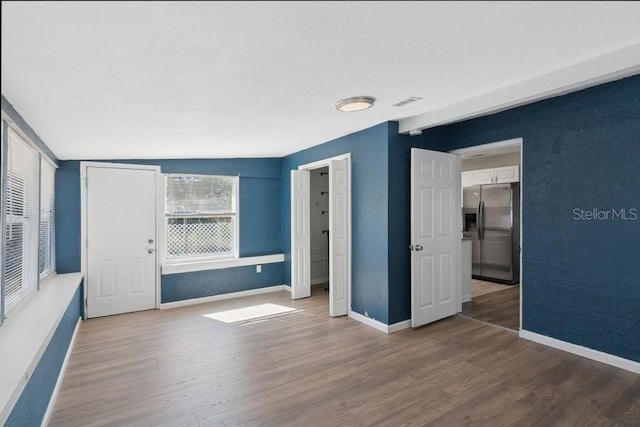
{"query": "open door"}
(300, 234)
(338, 238)
(435, 236)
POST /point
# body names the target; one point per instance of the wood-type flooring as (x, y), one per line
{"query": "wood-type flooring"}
(182, 367)
(496, 304)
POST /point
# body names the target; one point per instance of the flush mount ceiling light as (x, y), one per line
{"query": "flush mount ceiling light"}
(356, 103)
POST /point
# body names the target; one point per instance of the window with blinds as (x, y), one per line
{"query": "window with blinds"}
(47, 236)
(201, 217)
(21, 228)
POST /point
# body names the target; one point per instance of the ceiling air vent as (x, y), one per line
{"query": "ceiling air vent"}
(409, 100)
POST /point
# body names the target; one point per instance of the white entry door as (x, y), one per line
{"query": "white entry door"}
(121, 240)
(338, 238)
(300, 234)
(435, 235)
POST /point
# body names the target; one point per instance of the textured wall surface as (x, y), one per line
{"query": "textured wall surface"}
(581, 278)
(33, 402)
(198, 284)
(369, 153)
(259, 203)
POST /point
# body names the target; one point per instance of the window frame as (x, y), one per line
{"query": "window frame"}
(10, 128)
(47, 274)
(235, 220)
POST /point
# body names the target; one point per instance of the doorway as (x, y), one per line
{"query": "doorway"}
(119, 234)
(319, 228)
(493, 280)
(321, 231)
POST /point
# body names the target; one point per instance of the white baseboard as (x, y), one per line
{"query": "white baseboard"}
(382, 327)
(587, 352)
(405, 324)
(286, 288)
(466, 298)
(221, 297)
(63, 368)
(319, 281)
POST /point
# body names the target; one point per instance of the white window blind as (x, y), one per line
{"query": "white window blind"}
(201, 215)
(21, 222)
(47, 246)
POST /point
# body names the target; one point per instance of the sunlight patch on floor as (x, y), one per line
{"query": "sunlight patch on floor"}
(249, 313)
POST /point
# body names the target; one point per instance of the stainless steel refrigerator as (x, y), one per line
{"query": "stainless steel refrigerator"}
(491, 220)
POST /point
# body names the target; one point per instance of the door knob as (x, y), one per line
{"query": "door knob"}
(150, 241)
(419, 247)
(150, 250)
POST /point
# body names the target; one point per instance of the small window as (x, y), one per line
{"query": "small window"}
(47, 244)
(201, 217)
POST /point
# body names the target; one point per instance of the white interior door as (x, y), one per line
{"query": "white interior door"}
(435, 236)
(338, 238)
(300, 234)
(121, 240)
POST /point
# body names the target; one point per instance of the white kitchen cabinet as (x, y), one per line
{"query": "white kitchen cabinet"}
(491, 176)
(482, 176)
(467, 179)
(507, 174)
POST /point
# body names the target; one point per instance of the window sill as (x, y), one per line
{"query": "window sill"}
(26, 334)
(187, 267)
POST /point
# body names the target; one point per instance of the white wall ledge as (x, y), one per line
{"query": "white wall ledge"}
(25, 335)
(188, 267)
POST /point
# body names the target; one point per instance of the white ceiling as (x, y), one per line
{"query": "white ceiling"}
(107, 80)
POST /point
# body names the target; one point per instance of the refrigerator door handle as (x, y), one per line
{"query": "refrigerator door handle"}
(481, 220)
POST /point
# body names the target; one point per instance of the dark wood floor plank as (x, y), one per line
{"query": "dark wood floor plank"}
(303, 368)
(500, 308)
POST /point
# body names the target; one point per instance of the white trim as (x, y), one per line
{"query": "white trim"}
(38, 319)
(231, 295)
(220, 263)
(587, 352)
(610, 66)
(160, 233)
(319, 281)
(63, 369)
(375, 324)
(286, 288)
(325, 163)
(159, 229)
(395, 327)
(382, 327)
(486, 148)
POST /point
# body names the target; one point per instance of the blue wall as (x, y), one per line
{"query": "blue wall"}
(581, 279)
(198, 284)
(67, 193)
(259, 203)
(369, 187)
(32, 404)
